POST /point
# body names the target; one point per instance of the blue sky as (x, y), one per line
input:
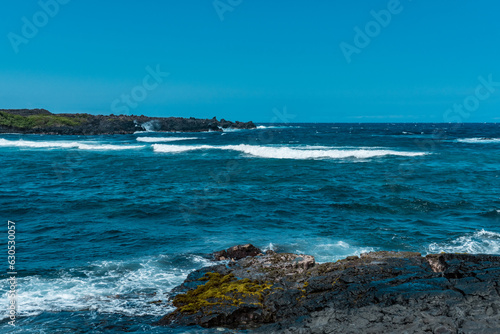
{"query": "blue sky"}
(261, 56)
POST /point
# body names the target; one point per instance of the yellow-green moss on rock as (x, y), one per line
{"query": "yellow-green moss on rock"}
(221, 290)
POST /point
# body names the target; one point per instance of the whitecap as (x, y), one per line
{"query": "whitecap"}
(332, 251)
(328, 250)
(151, 126)
(264, 127)
(131, 288)
(162, 139)
(109, 147)
(141, 132)
(269, 247)
(64, 144)
(232, 129)
(179, 148)
(479, 140)
(273, 152)
(481, 242)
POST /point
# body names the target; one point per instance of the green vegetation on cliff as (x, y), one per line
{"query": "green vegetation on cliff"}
(42, 121)
(35, 121)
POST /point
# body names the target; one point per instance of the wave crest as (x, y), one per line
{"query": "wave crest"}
(481, 242)
(479, 140)
(163, 139)
(288, 152)
(130, 288)
(60, 144)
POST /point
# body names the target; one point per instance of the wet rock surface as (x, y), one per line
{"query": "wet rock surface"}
(390, 292)
(236, 252)
(41, 121)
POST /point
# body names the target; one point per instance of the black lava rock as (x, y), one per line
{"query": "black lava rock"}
(377, 292)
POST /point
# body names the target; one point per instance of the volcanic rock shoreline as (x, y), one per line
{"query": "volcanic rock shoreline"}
(377, 292)
(41, 121)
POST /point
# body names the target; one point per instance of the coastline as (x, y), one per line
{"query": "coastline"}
(141, 212)
(41, 121)
(392, 292)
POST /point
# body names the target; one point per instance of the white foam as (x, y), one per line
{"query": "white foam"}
(273, 152)
(232, 129)
(332, 251)
(481, 242)
(104, 287)
(109, 147)
(269, 247)
(151, 126)
(263, 127)
(141, 132)
(163, 139)
(64, 144)
(318, 147)
(479, 140)
(259, 127)
(327, 250)
(179, 148)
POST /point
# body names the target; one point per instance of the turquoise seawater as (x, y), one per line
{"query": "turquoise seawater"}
(107, 225)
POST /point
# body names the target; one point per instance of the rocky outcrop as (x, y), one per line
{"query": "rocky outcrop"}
(41, 121)
(236, 252)
(27, 112)
(390, 292)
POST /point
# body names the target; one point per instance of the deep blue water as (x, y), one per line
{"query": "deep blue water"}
(105, 225)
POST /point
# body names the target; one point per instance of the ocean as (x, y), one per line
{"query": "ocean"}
(106, 226)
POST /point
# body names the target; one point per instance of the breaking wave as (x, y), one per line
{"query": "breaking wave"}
(151, 126)
(64, 144)
(479, 140)
(287, 152)
(163, 139)
(481, 242)
(131, 288)
(332, 251)
(263, 127)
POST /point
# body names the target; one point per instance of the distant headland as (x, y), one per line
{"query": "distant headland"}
(41, 121)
